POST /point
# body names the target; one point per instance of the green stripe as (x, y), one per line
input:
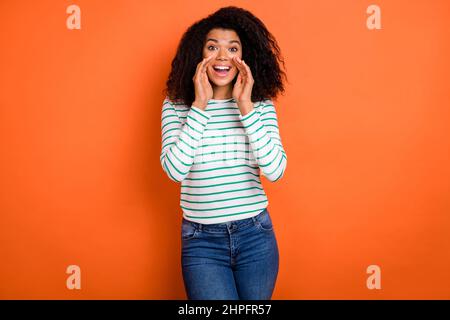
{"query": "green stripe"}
(197, 112)
(224, 143)
(268, 164)
(277, 165)
(248, 115)
(248, 126)
(253, 142)
(279, 176)
(224, 108)
(220, 192)
(192, 128)
(225, 115)
(182, 151)
(227, 151)
(224, 215)
(267, 119)
(218, 115)
(167, 144)
(228, 207)
(259, 158)
(223, 184)
(225, 168)
(167, 138)
(169, 115)
(190, 156)
(168, 109)
(193, 119)
(187, 133)
(222, 176)
(268, 141)
(168, 171)
(170, 123)
(226, 135)
(232, 159)
(228, 199)
(212, 129)
(173, 166)
(226, 121)
(170, 130)
(216, 109)
(187, 144)
(260, 127)
(168, 103)
(179, 160)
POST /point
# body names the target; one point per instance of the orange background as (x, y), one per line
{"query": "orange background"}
(364, 122)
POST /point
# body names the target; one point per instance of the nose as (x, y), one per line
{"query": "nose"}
(223, 54)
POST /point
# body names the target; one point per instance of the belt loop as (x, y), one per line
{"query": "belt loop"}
(199, 226)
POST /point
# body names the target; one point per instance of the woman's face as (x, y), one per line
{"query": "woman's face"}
(224, 44)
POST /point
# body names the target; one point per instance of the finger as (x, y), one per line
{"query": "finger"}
(198, 68)
(237, 62)
(248, 70)
(200, 65)
(245, 71)
(239, 80)
(205, 78)
(246, 67)
(239, 65)
(206, 63)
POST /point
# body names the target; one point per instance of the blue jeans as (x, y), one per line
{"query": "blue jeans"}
(232, 260)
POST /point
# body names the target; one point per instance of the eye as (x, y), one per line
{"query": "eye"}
(210, 47)
(235, 49)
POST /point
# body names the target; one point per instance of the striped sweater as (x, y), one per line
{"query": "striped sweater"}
(218, 155)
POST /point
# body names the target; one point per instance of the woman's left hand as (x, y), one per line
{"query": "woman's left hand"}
(242, 91)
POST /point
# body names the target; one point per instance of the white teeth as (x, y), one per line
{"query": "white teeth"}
(221, 68)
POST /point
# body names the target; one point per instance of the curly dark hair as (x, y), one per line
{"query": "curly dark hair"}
(259, 50)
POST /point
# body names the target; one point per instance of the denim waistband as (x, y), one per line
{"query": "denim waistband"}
(225, 226)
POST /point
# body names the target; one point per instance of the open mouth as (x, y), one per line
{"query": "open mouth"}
(221, 71)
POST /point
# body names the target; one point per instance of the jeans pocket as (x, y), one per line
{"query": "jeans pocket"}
(188, 230)
(264, 222)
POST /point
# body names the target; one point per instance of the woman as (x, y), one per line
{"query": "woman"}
(219, 133)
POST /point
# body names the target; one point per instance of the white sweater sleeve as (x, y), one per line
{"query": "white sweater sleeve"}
(265, 141)
(179, 142)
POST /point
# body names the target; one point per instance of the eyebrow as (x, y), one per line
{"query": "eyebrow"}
(216, 41)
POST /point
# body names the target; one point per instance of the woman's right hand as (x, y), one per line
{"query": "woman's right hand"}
(203, 89)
